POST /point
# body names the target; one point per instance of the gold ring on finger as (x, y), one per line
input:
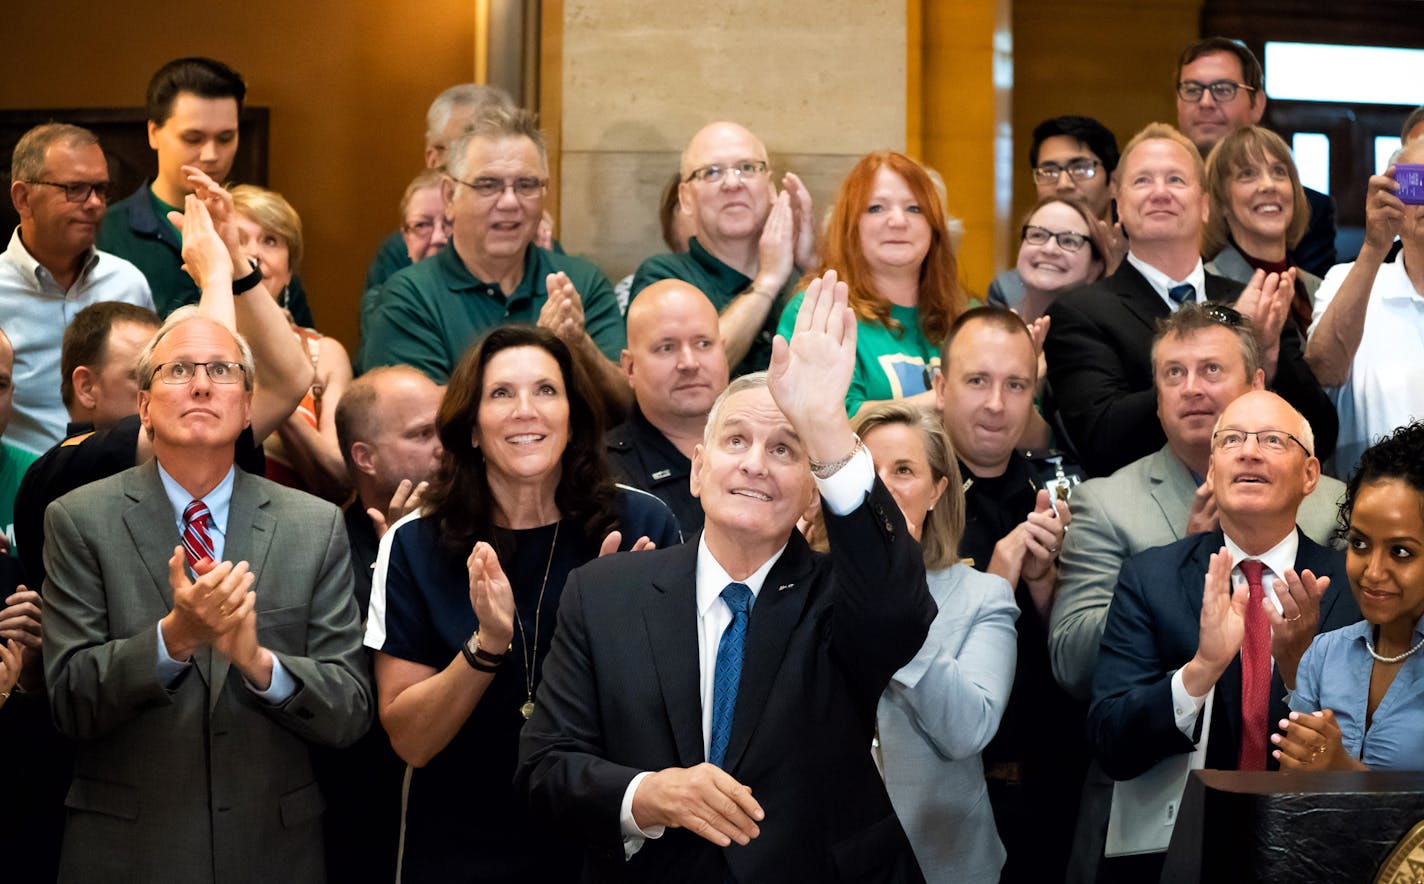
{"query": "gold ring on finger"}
(1295, 618)
(222, 609)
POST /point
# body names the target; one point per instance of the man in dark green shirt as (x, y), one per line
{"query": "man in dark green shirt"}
(193, 105)
(748, 240)
(491, 273)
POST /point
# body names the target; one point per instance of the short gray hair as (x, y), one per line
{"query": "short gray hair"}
(757, 380)
(189, 313)
(494, 124)
(27, 162)
(471, 96)
(1303, 432)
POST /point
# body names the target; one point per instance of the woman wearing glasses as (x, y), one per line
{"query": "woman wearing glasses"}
(1258, 214)
(888, 239)
(1059, 249)
(1358, 702)
(304, 452)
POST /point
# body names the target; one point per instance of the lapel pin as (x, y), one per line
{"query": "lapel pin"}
(785, 586)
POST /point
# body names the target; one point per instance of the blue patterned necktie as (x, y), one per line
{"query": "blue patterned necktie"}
(1182, 293)
(728, 675)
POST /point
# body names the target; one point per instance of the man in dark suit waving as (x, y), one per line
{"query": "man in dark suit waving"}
(706, 711)
(1171, 638)
(1099, 347)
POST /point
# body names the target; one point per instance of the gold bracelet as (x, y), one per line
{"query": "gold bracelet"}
(830, 468)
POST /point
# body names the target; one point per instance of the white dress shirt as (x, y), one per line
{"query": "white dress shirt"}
(1161, 282)
(841, 494)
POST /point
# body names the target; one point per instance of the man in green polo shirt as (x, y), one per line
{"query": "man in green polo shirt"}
(193, 105)
(491, 273)
(748, 241)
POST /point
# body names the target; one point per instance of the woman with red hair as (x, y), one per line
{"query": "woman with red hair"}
(889, 241)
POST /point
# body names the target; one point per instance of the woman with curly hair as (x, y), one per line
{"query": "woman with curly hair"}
(1358, 701)
(466, 593)
(888, 239)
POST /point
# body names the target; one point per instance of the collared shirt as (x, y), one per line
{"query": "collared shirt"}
(845, 490)
(1161, 282)
(34, 312)
(721, 283)
(218, 500)
(1385, 387)
(1335, 674)
(426, 315)
(1277, 560)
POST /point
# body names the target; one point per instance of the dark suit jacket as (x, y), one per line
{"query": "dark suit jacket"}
(1099, 352)
(620, 695)
(203, 781)
(1152, 631)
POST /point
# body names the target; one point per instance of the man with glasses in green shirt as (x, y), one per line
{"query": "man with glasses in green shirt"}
(749, 244)
(491, 273)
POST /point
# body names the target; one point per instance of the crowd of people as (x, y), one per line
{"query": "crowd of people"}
(787, 558)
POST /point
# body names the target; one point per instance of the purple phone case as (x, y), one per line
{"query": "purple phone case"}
(1411, 183)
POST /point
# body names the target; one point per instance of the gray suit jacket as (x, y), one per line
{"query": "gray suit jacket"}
(1230, 264)
(1143, 505)
(205, 782)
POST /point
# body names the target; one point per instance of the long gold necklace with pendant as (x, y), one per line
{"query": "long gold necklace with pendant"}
(526, 653)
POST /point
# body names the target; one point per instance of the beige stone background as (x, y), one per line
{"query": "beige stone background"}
(822, 82)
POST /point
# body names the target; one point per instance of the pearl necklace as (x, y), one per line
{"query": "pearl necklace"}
(1369, 645)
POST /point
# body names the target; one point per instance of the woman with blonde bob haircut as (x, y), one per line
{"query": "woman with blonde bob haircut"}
(1258, 213)
(944, 706)
(889, 239)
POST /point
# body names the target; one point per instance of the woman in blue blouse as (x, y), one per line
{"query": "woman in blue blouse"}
(1359, 696)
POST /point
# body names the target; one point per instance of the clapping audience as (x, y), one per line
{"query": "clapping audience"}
(798, 722)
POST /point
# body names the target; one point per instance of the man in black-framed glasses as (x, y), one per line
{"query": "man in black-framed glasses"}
(59, 183)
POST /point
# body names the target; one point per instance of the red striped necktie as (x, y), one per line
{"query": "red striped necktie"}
(196, 542)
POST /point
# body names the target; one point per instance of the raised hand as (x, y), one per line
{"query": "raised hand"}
(1293, 627)
(1266, 302)
(1384, 212)
(1312, 741)
(206, 257)
(705, 800)
(562, 313)
(1114, 244)
(1223, 625)
(804, 221)
(491, 598)
(615, 539)
(1203, 515)
(406, 500)
(809, 376)
(776, 252)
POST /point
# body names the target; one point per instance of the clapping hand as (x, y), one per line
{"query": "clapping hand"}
(1294, 626)
(1223, 625)
(1266, 302)
(491, 598)
(776, 252)
(562, 313)
(1202, 517)
(205, 608)
(1114, 244)
(1312, 741)
(12, 663)
(803, 220)
(407, 499)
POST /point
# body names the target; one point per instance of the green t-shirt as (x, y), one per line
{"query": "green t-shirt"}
(13, 464)
(888, 365)
(426, 315)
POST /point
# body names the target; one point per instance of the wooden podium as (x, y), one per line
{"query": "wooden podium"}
(1293, 828)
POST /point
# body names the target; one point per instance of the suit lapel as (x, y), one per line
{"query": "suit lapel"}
(152, 526)
(1172, 489)
(670, 619)
(248, 537)
(777, 611)
(1138, 296)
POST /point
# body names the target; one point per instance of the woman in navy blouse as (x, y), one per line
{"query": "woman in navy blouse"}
(1359, 696)
(466, 594)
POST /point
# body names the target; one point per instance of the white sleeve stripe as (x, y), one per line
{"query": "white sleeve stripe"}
(376, 612)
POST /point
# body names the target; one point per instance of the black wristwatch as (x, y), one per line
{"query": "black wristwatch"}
(479, 659)
(248, 282)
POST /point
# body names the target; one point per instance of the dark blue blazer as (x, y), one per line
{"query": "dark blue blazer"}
(1152, 630)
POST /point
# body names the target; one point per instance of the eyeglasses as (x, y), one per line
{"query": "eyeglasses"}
(1067, 240)
(1273, 441)
(1078, 170)
(1222, 91)
(78, 191)
(425, 227)
(491, 188)
(183, 372)
(716, 172)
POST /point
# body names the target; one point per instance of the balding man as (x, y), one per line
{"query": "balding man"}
(446, 120)
(1171, 642)
(1099, 347)
(677, 368)
(747, 242)
(386, 425)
